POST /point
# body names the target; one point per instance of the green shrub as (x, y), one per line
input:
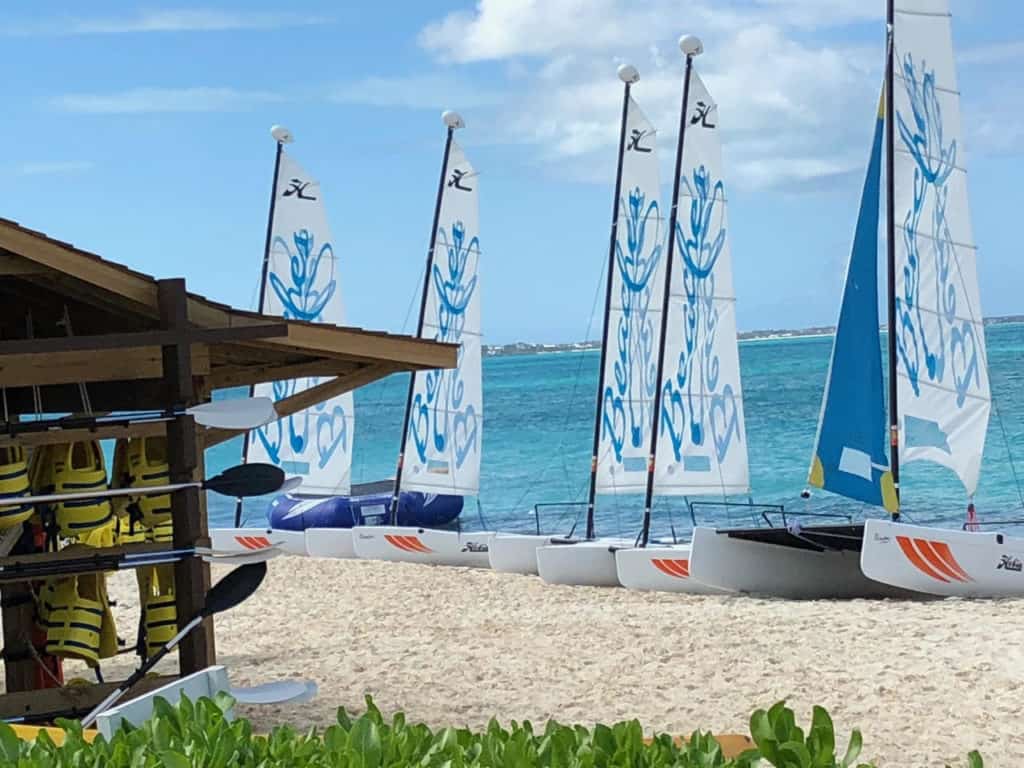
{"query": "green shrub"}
(199, 735)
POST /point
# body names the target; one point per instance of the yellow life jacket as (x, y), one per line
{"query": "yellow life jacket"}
(75, 612)
(14, 482)
(74, 468)
(159, 611)
(147, 467)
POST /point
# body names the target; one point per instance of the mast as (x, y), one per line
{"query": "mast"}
(690, 46)
(281, 136)
(627, 74)
(890, 236)
(453, 121)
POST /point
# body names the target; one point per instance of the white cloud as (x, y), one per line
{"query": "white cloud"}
(148, 100)
(171, 20)
(53, 168)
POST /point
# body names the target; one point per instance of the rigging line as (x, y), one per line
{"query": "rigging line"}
(1009, 451)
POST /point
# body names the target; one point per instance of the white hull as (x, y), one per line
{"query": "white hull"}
(661, 568)
(422, 545)
(330, 542)
(780, 571)
(582, 563)
(253, 539)
(942, 562)
(516, 553)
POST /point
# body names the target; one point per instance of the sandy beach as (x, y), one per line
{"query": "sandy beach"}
(925, 682)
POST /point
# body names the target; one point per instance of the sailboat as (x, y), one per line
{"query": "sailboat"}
(300, 280)
(630, 340)
(699, 445)
(443, 424)
(938, 399)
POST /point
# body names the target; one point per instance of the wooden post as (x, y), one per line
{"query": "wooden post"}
(19, 624)
(184, 456)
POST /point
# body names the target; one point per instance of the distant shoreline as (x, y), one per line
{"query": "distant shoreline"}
(525, 348)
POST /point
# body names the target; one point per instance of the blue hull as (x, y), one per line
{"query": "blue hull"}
(297, 512)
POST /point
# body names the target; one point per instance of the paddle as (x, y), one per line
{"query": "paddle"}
(238, 413)
(223, 596)
(253, 479)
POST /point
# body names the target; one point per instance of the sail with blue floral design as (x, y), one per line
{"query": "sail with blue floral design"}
(629, 379)
(943, 388)
(849, 454)
(446, 414)
(304, 283)
(702, 445)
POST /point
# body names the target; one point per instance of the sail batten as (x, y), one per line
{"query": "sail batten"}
(701, 446)
(445, 420)
(628, 381)
(303, 283)
(944, 396)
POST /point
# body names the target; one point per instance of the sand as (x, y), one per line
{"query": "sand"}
(925, 682)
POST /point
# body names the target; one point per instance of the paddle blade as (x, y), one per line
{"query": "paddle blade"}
(280, 692)
(290, 484)
(234, 588)
(241, 413)
(254, 479)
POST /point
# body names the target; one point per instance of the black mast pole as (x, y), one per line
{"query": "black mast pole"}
(690, 46)
(281, 136)
(890, 236)
(629, 75)
(453, 121)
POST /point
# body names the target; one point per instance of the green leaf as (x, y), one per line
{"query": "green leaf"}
(171, 759)
(795, 753)
(364, 739)
(852, 749)
(974, 760)
(10, 744)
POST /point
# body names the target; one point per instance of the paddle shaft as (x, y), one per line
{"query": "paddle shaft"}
(141, 672)
(55, 498)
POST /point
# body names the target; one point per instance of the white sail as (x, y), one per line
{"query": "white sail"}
(303, 283)
(701, 440)
(943, 396)
(446, 418)
(629, 379)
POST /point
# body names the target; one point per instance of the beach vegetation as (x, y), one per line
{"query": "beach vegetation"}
(200, 734)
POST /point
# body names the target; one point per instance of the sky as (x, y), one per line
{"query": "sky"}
(141, 132)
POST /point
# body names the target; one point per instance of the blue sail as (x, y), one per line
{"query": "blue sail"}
(849, 457)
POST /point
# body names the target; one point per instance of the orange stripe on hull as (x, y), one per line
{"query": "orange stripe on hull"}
(398, 542)
(926, 548)
(943, 550)
(912, 555)
(417, 545)
(679, 569)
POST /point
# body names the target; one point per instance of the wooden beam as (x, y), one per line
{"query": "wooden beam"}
(310, 397)
(71, 701)
(142, 339)
(12, 265)
(49, 368)
(238, 375)
(356, 344)
(184, 459)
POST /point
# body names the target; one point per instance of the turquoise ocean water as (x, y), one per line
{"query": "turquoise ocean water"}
(538, 428)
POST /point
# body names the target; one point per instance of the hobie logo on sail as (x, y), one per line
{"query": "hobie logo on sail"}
(298, 189)
(635, 138)
(456, 181)
(702, 115)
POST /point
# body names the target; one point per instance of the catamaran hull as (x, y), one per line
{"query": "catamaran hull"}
(516, 553)
(660, 569)
(941, 562)
(580, 563)
(776, 570)
(254, 539)
(330, 542)
(422, 545)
